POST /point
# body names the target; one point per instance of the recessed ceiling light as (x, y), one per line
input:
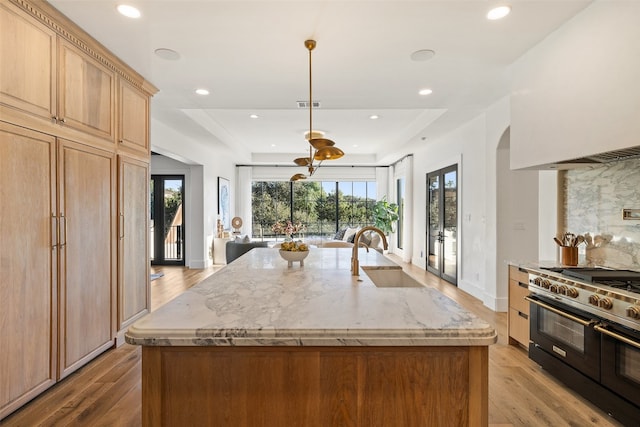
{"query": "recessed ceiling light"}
(498, 12)
(355, 145)
(253, 116)
(425, 92)
(423, 55)
(273, 145)
(169, 54)
(128, 11)
(374, 117)
(202, 92)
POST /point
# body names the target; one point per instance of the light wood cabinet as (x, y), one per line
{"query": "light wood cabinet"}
(67, 287)
(518, 307)
(28, 50)
(133, 248)
(50, 79)
(133, 119)
(28, 316)
(86, 98)
(86, 183)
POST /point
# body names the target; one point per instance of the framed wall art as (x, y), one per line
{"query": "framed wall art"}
(223, 202)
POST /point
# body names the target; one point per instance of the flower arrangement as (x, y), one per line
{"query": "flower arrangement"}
(288, 229)
(294, 247)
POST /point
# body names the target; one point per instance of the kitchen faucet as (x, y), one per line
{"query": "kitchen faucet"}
(355, 264)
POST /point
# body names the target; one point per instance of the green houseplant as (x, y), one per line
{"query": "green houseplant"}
(385, 215)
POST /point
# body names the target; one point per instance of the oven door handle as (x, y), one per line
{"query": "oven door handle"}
(560, 312)
(615, 335)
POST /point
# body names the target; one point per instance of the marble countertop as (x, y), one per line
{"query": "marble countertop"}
(259, 301)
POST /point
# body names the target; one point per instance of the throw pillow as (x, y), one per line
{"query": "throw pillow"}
(349, 234)
(366, 238)
(376, 241)
(340, 234)
(246, 239)
(238, 239)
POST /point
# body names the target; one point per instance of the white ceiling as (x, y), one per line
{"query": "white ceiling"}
(251, 56)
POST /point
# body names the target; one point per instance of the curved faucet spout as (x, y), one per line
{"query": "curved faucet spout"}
(355, 263)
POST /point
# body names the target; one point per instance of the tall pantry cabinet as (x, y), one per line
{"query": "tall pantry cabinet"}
(74, 170)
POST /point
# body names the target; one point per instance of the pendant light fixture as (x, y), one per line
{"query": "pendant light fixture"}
(320, 149)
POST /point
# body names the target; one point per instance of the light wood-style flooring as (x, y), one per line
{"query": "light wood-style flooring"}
(107, 392)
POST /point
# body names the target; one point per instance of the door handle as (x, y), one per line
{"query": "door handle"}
(63, 230)
(54, 231)
(616, 336)
(561, 313)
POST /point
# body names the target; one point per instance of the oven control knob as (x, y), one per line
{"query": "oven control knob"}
(537, 281)
(563, 289)
(572, 292)
(605, 303)
(633, 312)
(594, 299)
(546, 284)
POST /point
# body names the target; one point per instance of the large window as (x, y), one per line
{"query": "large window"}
(323, 207)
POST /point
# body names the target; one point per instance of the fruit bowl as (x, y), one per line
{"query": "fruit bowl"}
(294, 256)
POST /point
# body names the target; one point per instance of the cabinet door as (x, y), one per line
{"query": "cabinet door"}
(133, 118)
(133, 256)
(28, 64)
(86, 93)
(28, 253)
(86, 186)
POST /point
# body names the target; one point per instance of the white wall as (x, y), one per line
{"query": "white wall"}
(576, 93)
(203, 164)
(464, 147)
(489, 226)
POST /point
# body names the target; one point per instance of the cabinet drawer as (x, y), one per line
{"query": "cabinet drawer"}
(516, 296)
(519, 327)
(516, 274)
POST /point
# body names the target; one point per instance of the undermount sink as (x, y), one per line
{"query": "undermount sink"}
(391, 278)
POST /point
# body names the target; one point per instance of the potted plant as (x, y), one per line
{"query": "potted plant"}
(385, 215)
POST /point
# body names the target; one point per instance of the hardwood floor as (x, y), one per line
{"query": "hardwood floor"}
(107, 391)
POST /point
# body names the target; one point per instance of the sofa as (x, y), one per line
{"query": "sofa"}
(236, 249)
(345, 237)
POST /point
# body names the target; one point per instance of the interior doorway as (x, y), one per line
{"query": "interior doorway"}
(442, 223)
(167, 220)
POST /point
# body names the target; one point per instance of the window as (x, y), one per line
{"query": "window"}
(323, 207)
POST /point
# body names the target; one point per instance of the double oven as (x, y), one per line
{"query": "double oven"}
(585, 331)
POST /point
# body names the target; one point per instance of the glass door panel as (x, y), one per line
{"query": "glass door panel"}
(442, 223)
(450, 226)
(167, 220)
(433, 226)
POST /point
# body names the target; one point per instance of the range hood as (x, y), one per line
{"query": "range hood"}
(606, 157)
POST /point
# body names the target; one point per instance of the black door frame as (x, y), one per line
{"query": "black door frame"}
(157, 210)
(439, 271)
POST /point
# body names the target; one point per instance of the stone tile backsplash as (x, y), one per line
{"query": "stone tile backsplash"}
(593, 202)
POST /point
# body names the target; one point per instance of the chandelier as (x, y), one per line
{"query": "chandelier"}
(320, 149)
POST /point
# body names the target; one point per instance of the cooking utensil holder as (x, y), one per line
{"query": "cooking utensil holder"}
(570, 255)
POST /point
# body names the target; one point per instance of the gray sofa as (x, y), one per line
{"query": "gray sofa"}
(235, 250)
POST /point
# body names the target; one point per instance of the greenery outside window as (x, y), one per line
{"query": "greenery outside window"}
(323, 207)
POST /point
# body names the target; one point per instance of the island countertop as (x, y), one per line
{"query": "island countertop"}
(259, 301)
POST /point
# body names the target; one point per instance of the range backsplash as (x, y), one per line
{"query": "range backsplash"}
(593, 202)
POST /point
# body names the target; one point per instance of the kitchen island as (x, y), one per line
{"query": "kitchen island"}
(262, 344)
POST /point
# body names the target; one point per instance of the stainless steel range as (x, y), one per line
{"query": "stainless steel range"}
(585, 330)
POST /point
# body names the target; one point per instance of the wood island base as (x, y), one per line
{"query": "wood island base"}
(315, 386)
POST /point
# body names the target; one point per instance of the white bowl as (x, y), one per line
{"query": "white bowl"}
(291, 256)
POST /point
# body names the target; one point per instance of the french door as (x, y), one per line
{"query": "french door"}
(442, 223)
(167, 220)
